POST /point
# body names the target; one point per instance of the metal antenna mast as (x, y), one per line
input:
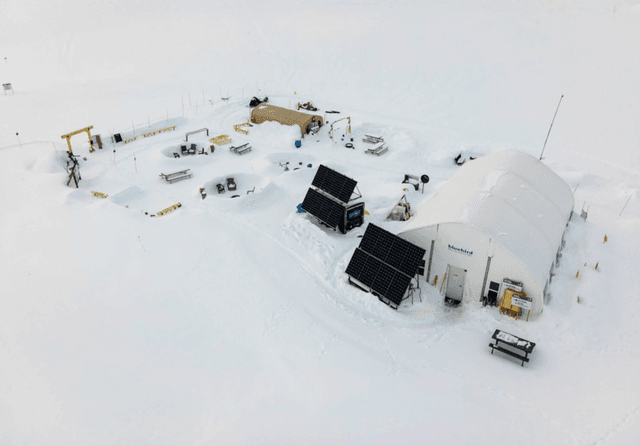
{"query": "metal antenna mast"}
(549, 132)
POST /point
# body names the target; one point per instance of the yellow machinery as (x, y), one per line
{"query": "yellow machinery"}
(220, 140)
(507, 308)
(69, 135)
(348, 118)
(244, 124)
(306, 106)
(401, 211)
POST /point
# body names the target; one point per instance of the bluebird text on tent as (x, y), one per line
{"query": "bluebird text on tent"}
(460, 250)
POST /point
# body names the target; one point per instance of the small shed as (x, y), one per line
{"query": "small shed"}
(267, 112)
(501, 218)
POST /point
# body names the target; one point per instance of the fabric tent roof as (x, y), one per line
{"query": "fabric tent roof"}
(510, 196)
(268, 112)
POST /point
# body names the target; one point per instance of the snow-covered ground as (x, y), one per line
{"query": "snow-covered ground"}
(230, 320)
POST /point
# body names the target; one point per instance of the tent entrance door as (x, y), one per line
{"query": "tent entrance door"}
(455, 285)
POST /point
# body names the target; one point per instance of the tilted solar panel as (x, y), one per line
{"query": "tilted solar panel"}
(370, 271)
(397, 288)
(370, 238)
(391, 249)
(384, 278)
(334, 183)
(321, 176)
(323, 208)
(356, 264)
(378, 276)
(412, 259)
(385, 263)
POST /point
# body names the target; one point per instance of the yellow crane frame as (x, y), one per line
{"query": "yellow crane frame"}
(348, 118)
(69, 135)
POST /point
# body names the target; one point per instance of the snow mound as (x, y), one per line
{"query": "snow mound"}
(80, 196)
(127, 196)
(273, 163)
(50, 163)
(270, 193)
(274, 134)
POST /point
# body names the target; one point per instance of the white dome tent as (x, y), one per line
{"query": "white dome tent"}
(501, 216)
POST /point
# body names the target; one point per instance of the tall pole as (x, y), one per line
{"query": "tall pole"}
(549, 132)
(625, 205)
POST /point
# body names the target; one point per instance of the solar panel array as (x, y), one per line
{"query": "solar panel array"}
(385, 263)
(334, 183)
(323, 207)
(380, 277)
(391, 249)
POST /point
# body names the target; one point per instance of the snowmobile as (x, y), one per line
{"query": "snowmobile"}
(257, 101)
(308, 106)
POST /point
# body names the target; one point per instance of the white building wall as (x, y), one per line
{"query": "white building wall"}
(505, 265)
(466, 247)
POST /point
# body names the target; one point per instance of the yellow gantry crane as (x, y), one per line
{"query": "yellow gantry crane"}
(69, 135)
(348, 118)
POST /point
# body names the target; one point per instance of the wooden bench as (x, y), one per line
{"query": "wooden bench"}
(241, 150)
(514, 342)
(377, 149)
(176, 176)
(169, 209)
(221, 140)
(238, 128)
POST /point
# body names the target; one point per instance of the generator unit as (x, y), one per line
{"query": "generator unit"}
(352, 218)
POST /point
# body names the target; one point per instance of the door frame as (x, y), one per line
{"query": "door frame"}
(449, 274)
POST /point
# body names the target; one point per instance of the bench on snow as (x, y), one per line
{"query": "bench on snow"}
(514, 342)
(372, 139)
(176, 176)
(241, 150)
(377, 149)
